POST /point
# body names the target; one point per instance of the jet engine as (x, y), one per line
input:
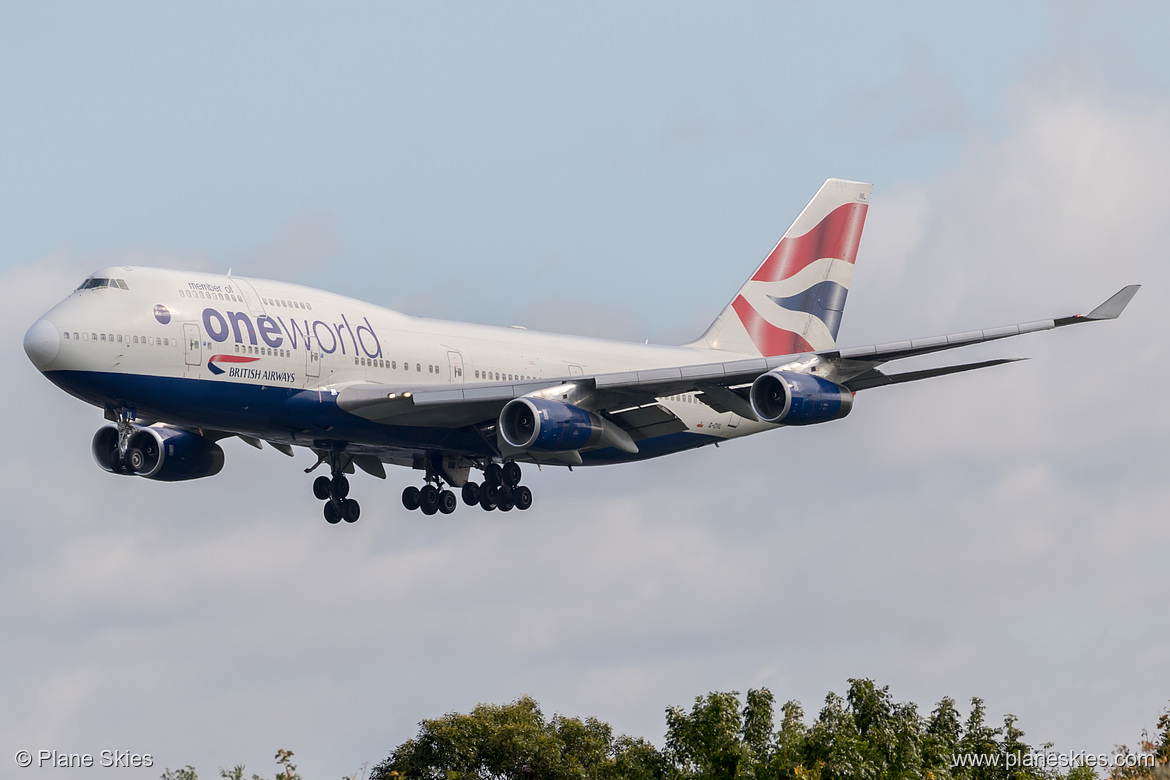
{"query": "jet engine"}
(105, 451)
(549, 426)
(788, 398)
(163, 454)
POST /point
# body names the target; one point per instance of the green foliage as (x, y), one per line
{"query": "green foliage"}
(513, 741)
(288, 770)
(1153, 749)
(864, 735)
(186, 773)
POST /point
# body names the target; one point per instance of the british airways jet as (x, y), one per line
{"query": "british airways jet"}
(180, 360)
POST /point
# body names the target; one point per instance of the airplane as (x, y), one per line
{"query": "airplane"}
(179, 361)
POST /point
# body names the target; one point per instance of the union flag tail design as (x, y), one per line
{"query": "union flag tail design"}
(794, 300)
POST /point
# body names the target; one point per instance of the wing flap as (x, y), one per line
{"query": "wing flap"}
(876, 378)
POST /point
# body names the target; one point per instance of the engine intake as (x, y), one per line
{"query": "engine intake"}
(163, 454)
(105, 450)
(788, 398)
(172, 455)
(549, 426)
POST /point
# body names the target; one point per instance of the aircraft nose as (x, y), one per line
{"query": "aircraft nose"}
(42, 342)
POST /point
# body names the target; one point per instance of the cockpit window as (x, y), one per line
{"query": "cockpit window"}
(93, 283)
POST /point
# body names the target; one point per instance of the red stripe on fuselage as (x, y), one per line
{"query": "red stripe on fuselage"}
(769, 339)
(837, 236)
(232, 359)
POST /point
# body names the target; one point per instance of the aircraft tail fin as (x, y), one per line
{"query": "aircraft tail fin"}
(794, 300)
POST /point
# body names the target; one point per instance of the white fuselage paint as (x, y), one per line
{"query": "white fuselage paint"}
(116, 330)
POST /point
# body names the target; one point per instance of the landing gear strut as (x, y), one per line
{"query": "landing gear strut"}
(501, 489)
(430, 498)
(334, 490)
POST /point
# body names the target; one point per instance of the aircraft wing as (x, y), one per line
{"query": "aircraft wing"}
(720, 385)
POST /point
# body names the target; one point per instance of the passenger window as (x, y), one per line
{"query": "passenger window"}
(103, 337)
(418, 367)
(119, 338)
(66, 335)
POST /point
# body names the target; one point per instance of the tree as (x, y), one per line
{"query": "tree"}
(708, 741)
(1151, 761)
(510, 741)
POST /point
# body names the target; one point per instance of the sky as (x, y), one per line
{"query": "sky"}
(616, 171)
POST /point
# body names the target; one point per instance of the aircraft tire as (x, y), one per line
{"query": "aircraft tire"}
(350, 510)
(522, 496)
(511, 474)
(331, 515)
(505, 503)
(339, 487)
(485, 500)
(135, 459)
(410, 498)
(470, 493)
(429, 499)
(321, 488)
(492, 474)
(447, 502)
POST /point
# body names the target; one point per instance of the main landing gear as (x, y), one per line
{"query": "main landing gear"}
(501, 489)
(334, 491)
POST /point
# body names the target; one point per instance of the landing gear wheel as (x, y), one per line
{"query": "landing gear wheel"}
(350, 510)
(511, 473)
(505, 501)
(522, 496)
(410, 498)
(331, 515)
(447, 502)
(485, 500)
(470, 493)
(429, 499)
(339, 487)
(492, 474)
(321, 488)
(135, 459)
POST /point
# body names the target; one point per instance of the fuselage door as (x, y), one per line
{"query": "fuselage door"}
(193, 344)
(455, 364)
(312, 358)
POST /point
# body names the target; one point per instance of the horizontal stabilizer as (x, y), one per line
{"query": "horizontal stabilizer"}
(875, 378)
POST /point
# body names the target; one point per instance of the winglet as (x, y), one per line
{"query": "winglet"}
(1110, 310)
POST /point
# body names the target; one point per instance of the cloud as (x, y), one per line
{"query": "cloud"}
(998, 534)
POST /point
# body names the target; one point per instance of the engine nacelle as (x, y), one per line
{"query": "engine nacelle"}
(164, 454)
(788, 398)
(172, 455)
(549, 426)
(105, 451)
